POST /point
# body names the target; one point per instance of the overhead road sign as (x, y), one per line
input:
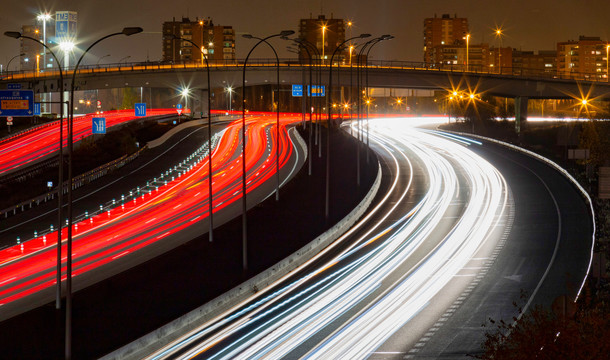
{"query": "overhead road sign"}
(13, 86)
(16, 102)
(316, 90)
(297, 90)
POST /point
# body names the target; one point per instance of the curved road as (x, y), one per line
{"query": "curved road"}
(168, 211)
(439, 205)
(41, 141)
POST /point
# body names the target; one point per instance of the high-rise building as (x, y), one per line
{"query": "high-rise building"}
(325, 34)
(442, 31)
(529, 63)
(501, 60)
(31, 50)
(216, 42)
(585, 58)
(454, 56)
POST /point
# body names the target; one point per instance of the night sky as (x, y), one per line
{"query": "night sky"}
(528, 24)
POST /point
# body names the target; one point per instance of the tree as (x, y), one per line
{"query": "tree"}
(130, 97)
(540, 334)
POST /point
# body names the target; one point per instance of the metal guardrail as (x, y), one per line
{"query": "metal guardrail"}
(77, 182)
(510, 72)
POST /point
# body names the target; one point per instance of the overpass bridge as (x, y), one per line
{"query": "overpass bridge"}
(381, 74)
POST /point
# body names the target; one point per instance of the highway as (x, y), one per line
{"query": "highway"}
(167, 210)
(30, 146)
(440, 204)
(546, 254)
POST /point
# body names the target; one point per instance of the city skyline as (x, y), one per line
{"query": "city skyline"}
(520, 19)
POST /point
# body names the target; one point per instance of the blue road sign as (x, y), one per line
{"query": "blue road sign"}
(16, 102)
(297, 90)
(98, 125)
(37, 109)
(140, 109)
(317, 90)
(13, 86)
(179, 106)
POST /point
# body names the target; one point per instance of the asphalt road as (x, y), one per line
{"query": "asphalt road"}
(545, 254)
(425, 225)
(120, 309)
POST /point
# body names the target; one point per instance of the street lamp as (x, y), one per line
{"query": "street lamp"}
(317, 133)
(243, 142)
(277, 125)
(374, 42)
(499, 34)
(14, 57)
(309, 46)
(229, 90)
(128, 31)
(323, 44)
(328, 105)
(100, 59)
(44, 18)
(17, 35)
(124, 58)
(185, 93)
(211, 197)
(467, 44)
(362, 94)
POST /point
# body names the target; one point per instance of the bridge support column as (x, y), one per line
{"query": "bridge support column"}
(520, 112)
(202, 109)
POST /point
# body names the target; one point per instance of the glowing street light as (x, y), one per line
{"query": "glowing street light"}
(229, 90)
(283, 33)
(323, 33)
(499, 32)
(210, 175)
(44, 18)
(467, 45)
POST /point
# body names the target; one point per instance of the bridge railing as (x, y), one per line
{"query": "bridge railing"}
(518, 72)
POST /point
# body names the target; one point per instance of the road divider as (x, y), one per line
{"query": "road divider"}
(188, 322)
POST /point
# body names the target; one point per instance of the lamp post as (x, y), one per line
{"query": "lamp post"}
(229, 90)
(375, 42)
(44, 18)
(185, 93)
(207, 66)
(467, 45)
(329, 106)
(128, 31)
(277, 123)
(243, 141)
(308, 48)
(124, 58)
(368, 44)
(499, 34)
(16, 56)
(312, 47)
(100, 59)
(17, 35)
(323, 43)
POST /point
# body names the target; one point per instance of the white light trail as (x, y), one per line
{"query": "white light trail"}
(353, 287)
